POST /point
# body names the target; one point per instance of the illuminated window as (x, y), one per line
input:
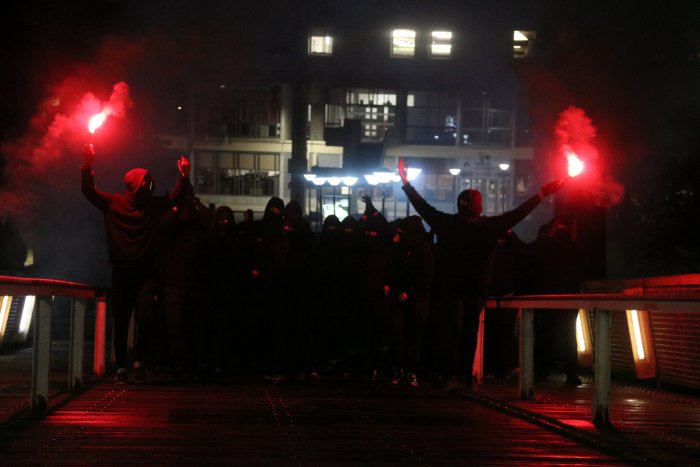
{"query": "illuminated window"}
(522, 43)
(441, 44)
(403, 43)
(375, 108)
(320, 45)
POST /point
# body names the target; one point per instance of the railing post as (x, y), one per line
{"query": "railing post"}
(100, 351)
(478, 366)
(601, 368)
(41, 354)
(77, 344)
(527, 370)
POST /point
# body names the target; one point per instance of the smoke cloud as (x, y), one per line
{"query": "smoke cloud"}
(574, 132)
(40, 192)
(35, 164)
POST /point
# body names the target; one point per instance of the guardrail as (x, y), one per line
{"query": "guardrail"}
(603, 305)
(45, 290)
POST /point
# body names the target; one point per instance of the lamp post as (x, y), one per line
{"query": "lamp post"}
(504, 166)
(455, 171)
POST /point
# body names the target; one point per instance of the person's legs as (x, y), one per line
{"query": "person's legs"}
(472, 304)
(124, 294)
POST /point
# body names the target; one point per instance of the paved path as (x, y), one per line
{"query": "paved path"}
(337, 422)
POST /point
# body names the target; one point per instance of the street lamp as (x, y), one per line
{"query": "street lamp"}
(504, 166)
(455, 171)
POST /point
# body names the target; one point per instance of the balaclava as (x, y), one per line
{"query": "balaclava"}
(469, 203)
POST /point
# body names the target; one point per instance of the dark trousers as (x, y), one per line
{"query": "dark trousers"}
(130, 282)
(408, 327)
(463, 310)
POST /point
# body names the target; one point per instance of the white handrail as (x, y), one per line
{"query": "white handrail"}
(603, 304)
(45, 290)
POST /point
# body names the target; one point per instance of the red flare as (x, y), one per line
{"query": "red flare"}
(96, 121)
(575, 164)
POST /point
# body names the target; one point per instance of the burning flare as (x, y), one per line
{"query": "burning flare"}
(575, 165)
(96, 121)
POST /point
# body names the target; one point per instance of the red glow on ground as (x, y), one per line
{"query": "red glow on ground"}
(587, 424)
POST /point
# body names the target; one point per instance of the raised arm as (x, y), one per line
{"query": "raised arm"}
(87, 180)
(508, 220)
(431, 215)
(183, 187)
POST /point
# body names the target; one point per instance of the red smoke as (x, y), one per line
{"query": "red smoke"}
(575, 133)
(35, 165)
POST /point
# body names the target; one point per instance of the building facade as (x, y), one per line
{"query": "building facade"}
(341, 103)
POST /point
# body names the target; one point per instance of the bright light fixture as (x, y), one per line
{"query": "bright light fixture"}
(371, 179)
(455, 171)
(412, 173)
(27, 311)
(383, 176)
(318, 181)
(504, 166)
(309, 177)
(349, 181)
(4, 313)
(637, 330)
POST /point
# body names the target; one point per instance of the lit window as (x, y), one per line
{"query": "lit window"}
(441, 44)
(320, 45)
(522, 42)
(403, 43)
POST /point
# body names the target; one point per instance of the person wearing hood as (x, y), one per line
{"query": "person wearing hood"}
(292, 319)
(411, 271)
(265, 250)
(325, 325)
(183, 284)
(131, 221)
(465, 248)
(373, 310)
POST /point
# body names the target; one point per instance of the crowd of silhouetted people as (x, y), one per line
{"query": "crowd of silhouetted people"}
(363, 297)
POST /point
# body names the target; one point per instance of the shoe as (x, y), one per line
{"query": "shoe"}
(121, 376)
(139, 373)
(396, 376)
(412, 380)
(574, 381)
(452, 385)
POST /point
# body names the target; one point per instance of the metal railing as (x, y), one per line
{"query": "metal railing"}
(603, 305)
(45, 291)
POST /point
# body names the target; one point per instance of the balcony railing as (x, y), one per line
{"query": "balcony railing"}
(602, 305)
(45, 291)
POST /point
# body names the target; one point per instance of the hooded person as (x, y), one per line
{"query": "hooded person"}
(265, 252)
(373, 309)
(131, 221)
(293, 317)
(465, 248)
(324, 326)
(411, 270)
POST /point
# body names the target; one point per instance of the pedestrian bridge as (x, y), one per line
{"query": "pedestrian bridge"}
(59, 405)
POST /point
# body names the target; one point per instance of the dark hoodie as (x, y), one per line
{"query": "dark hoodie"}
(466, 241)
(131, 218)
